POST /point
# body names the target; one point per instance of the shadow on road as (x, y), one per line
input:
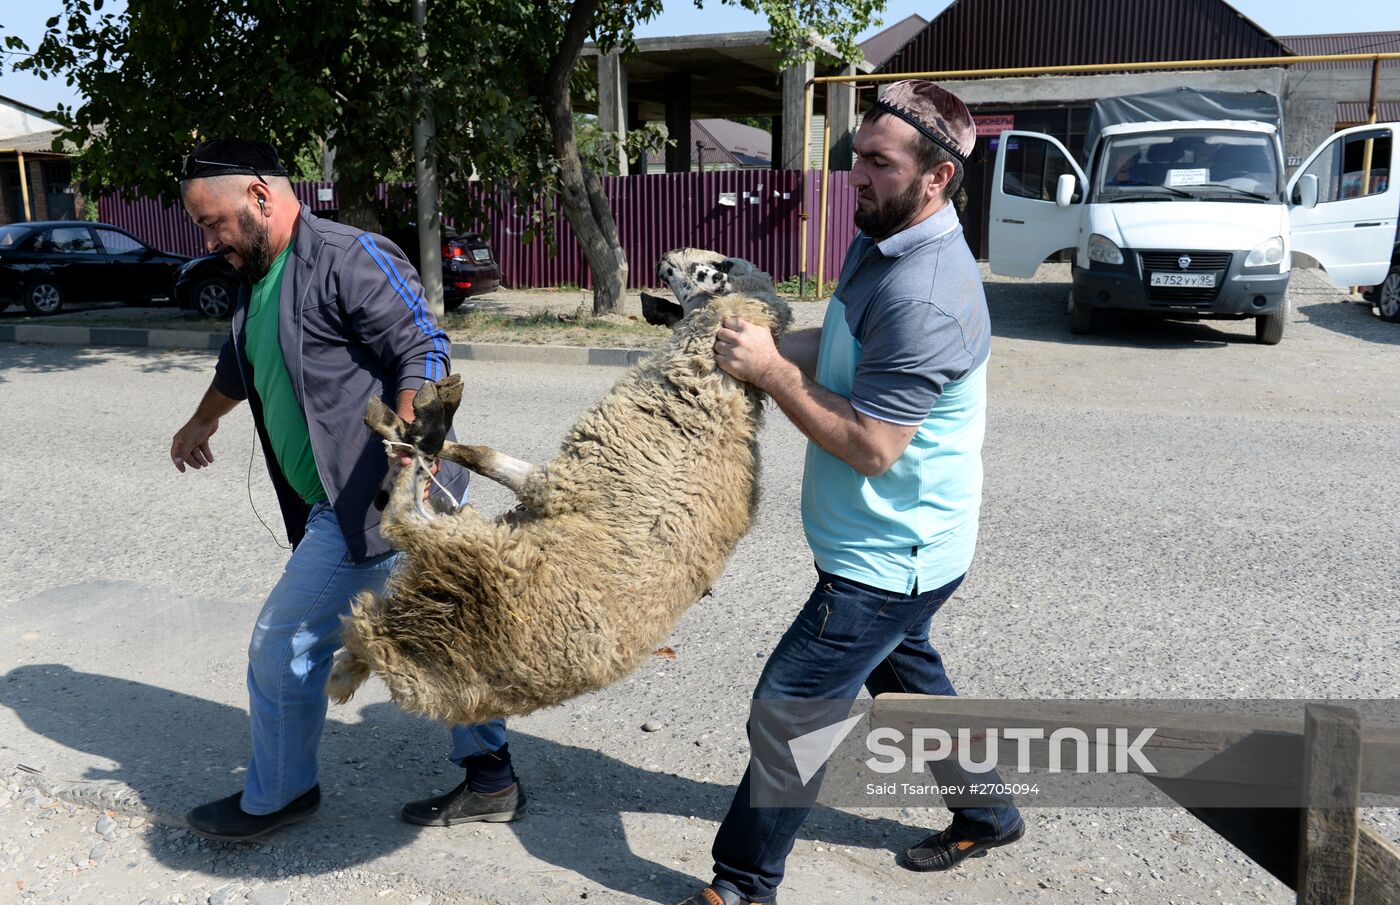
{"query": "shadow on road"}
(1037, 311)
(1352, 319)
(175, 750)
(32, 358)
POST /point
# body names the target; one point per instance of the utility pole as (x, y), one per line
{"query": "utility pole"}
(429, 224)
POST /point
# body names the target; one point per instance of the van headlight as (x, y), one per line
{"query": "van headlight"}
(1102, 249)
(1266, 254)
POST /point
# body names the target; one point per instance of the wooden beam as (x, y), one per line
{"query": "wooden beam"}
(1377, 869)
(1328, 833)
(24, 188)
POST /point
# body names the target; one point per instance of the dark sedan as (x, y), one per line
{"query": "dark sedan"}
(468, 267)
(209, 284)
(46, 264)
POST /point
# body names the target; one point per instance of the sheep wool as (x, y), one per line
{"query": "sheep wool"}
(612, 540)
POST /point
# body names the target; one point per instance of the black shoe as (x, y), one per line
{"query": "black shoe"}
(712, 896)
(943, 851)
(462, 805)
(226, 821)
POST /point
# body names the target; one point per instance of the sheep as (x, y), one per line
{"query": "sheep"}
(611, 541)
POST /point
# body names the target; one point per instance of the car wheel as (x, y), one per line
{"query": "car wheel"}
(43, 297)
(1268, 330)
(214, 298)
(1081, 319)
(1388, 297)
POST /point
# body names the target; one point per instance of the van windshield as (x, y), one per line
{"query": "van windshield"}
(1188, 166)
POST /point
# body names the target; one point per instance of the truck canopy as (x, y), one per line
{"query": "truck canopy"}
(1182, 104)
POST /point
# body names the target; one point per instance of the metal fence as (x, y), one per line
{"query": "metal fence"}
(750, 214)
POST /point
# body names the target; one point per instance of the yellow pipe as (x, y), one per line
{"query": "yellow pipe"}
(821, 221)
(24, 187)
(1108, 67)
(804, 214)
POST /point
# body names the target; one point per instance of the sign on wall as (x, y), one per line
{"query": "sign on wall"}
(993, 125)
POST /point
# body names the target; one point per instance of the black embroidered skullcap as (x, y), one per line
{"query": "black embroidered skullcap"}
(937, 113)
(233, 156)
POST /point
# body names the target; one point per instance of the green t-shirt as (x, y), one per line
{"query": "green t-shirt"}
(283, 418)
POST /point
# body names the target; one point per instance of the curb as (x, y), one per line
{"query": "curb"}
(62, 334)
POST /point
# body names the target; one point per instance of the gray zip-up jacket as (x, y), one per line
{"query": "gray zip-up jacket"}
(352, 322)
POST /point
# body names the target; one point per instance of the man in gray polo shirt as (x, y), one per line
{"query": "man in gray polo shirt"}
(891, 393)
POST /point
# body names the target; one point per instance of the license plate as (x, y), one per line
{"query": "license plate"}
(1191, 280)
(482, 255)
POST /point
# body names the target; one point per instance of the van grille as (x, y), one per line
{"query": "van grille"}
(1215, 262)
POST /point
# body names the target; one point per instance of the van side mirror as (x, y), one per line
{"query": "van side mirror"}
(1305, 191)
(1064, 190)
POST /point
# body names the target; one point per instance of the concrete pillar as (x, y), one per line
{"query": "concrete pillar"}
(678, 123)
(775, 161)
(612, 102)
(843, 121)
(793, 142)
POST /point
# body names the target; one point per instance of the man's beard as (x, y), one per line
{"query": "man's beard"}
(890, 217)
(257, 251)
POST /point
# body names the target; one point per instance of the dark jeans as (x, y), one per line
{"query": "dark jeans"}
(847, 635)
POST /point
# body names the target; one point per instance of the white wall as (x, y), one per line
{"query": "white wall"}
(16, 121)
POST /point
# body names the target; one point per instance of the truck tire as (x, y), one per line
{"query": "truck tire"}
(1268, 329)
(1081, 319)
(1388, 296)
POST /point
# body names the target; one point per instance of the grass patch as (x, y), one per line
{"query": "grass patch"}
(788, 289)
(538, 327)
(551, 329)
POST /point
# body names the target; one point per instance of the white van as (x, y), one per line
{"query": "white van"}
(1191, 218)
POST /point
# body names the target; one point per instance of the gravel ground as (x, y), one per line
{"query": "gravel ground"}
(1171, 511)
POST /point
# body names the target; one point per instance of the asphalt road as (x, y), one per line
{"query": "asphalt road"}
(1171, 511)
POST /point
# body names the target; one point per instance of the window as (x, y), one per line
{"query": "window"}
(1189, 165)
(117, 243)
(70, 240)
(1352, 167)
(1033, 168)
(10, 235)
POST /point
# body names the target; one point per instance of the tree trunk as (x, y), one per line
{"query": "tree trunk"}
(585, 205)
(358, 206)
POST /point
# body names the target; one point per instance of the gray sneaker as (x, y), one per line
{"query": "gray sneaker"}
(462, 805)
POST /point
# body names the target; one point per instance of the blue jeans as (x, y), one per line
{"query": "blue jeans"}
(847, 635)
(289, 660)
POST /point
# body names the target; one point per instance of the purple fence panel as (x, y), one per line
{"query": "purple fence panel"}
(751, 214)
(840, 224)
(167, 228)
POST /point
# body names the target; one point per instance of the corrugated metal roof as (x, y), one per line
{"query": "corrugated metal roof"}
(1355, 42)
(32, 143)
(883, 45)
(1356, 112)
(988, 34)
(738, 138)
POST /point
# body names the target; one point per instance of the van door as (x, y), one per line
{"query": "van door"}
(1026, 224)
(1351, 230)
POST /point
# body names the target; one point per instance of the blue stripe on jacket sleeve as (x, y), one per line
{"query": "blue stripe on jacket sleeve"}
(412, 301)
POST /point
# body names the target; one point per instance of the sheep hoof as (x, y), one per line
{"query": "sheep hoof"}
(347, 675)
(433, 409)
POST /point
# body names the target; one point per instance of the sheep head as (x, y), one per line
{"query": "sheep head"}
(696, 275)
